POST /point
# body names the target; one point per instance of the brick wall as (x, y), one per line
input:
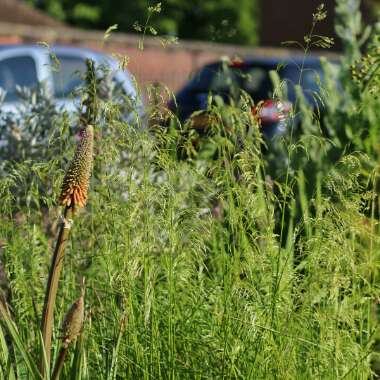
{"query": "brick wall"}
(171, 65)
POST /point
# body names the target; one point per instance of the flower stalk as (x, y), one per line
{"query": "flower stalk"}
(74, 194)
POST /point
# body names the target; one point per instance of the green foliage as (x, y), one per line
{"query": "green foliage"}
(215, 20)
(86, 13)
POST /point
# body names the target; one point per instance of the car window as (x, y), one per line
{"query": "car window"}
(255, 80)
(201, 80)
(311, 79)
(67, 74)
(223, 81)
(257, 83)
(17, 71)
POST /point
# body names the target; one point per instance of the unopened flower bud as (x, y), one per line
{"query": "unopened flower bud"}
(73, 322)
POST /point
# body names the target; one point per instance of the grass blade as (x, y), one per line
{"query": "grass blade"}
(17, 341)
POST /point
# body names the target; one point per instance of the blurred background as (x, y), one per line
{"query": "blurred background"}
(165, 42)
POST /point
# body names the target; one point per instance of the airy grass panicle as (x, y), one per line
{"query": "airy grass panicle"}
(74, 190)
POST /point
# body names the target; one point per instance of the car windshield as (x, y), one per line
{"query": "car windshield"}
(310, 80)
(68, 72)
(255, 79)
(17, 71)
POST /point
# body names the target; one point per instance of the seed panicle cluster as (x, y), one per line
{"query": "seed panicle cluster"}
(366, 71)
(74, 190)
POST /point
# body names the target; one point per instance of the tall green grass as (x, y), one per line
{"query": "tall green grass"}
(229, 263)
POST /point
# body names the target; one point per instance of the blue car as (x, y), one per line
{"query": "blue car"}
(60, 69)
(227, 79)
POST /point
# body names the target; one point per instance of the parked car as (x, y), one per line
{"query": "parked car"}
(227, 79)
(60, 68)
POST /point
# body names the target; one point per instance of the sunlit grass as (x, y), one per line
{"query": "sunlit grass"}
(204, 257)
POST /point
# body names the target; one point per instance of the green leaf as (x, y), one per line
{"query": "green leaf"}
(115, 350)
(6, 358)
(47, 368)
(137, 27)
(18, 343)
(76, 366)
(108, 32)
(152, 30)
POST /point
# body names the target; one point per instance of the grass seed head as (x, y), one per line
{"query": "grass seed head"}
(74, 190)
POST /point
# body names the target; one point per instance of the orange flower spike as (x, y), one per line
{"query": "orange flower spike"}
(75, 184)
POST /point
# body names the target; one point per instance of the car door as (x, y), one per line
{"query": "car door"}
(20, 67)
